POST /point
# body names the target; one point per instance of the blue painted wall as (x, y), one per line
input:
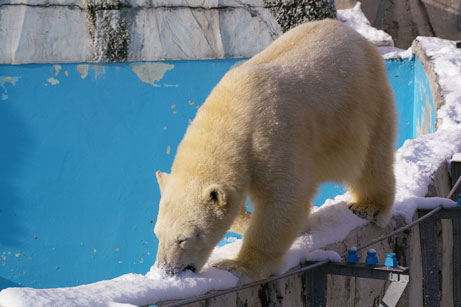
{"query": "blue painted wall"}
(79, 148)
(424, 117)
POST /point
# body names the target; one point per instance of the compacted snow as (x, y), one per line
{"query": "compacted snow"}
(416, 161)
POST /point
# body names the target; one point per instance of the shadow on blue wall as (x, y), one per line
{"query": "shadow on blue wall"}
(16, 143)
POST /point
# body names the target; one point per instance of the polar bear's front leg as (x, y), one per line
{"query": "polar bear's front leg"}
(274, 225)
(242, 221)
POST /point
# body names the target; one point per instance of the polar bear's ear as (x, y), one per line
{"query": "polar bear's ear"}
(215, 194)
(162, 179)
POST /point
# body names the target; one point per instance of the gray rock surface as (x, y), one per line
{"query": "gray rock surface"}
(35, 34)
(290, 13)
(56, 31)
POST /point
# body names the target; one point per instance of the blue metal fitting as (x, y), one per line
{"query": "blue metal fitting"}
(371, 260)
(352, 256)
(391, 261)
(459, 200)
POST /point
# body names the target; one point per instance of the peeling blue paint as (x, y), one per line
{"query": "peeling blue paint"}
(80, 147)
(11, 80)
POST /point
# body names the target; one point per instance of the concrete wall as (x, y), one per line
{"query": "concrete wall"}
(404, 20)
(60, 31)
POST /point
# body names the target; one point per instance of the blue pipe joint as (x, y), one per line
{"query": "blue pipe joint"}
(372, 259)
(352, 257)
(391, 261)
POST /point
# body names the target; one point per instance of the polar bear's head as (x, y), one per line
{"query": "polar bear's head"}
(193, 217)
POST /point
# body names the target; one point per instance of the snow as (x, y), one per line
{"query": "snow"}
(395, 53)
(447, 65)
(416, 162)
(356, 19)
(456, 157)
(129, 289)
(419, 158)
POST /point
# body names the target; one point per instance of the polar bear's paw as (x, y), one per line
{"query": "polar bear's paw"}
(371, 213)
(232, 266)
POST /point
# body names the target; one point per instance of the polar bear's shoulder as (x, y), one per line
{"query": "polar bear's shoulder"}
(312, 42)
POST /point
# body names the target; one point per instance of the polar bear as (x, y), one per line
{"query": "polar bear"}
(313, 106)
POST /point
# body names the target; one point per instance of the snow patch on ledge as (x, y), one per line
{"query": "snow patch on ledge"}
(356, 19)
(456, 157)
(447, 66)
(389, 53)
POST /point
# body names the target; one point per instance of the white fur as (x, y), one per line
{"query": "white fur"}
(314, 106)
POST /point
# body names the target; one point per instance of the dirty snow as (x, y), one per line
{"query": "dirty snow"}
(456, 157)
(447, 65)
(416, 161)
(356, 19)
(395, 53)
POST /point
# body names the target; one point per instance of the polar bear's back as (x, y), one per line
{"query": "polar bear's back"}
(324, 63)
(320, 91)
(314, 42)
(323, 86)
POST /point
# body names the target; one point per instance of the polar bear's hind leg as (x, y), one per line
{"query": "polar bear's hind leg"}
(373, 191)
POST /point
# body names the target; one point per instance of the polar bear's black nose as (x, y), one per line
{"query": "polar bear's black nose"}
(190, 268)
(172, 270)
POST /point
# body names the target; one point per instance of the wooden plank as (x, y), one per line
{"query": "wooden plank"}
(380, 14)
(431, 292)
(459, 15)
(455, 168)
(315, 284)
(457, 262)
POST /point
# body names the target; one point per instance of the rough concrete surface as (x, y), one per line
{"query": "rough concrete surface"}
(289, 14)
(428, 65)
(37, 34)
(404, 20)
(58, 31)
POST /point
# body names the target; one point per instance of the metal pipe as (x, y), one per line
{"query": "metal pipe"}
(452, 191)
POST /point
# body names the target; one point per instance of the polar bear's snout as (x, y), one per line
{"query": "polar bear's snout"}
(178, 254)
(174, 270)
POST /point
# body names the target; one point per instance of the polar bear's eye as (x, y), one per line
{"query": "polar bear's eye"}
(182, 242)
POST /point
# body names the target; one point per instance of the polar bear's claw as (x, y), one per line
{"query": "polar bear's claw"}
(370, 213)
(232, 266)
(226, 265)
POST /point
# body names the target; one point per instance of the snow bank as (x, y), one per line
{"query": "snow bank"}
(395, 53)
(416, 161)
(356, 19)
(126, 290)
(447, 65)
(419, 158)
